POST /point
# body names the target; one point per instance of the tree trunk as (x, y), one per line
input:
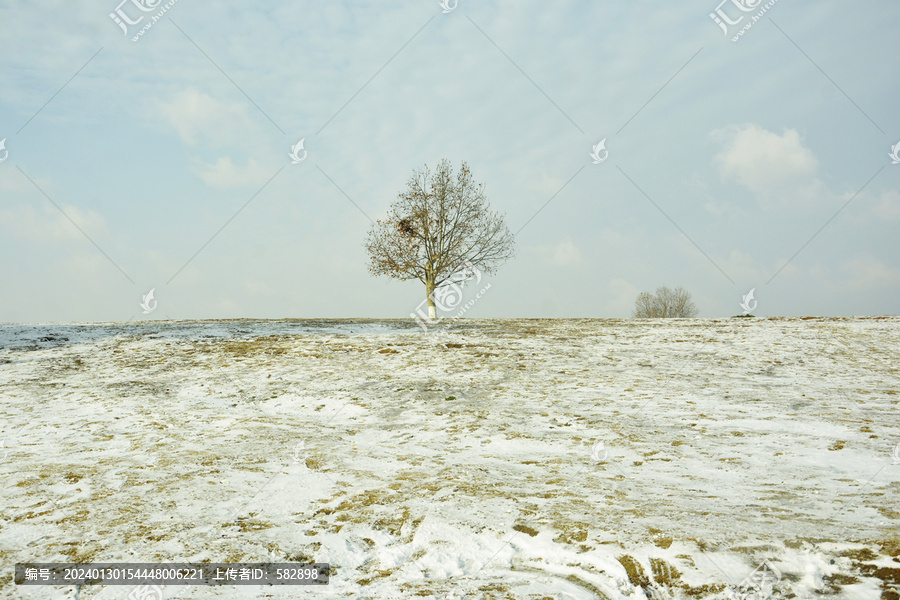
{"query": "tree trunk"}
(429, 292)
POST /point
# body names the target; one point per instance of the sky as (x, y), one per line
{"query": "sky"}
(162, 160)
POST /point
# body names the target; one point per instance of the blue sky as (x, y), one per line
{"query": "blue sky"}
(725, 158)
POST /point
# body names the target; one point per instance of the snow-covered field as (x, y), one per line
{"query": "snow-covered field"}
(504, 459)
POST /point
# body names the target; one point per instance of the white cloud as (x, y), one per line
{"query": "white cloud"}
(865, 271)
(13, 181)
(196, 115)
(49, 225)
(258, 288)
(225, 173)
(563, 254)
(888, 205)
(772, 165)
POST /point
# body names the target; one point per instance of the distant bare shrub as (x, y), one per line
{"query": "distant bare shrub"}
(665, 304)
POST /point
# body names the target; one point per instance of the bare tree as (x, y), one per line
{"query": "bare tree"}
(666, 303)
(645, 306)
(438, 224)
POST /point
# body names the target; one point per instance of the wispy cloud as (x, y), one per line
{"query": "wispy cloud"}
(562, 254)
(196, 116)
(225, 174)
(47, 224)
